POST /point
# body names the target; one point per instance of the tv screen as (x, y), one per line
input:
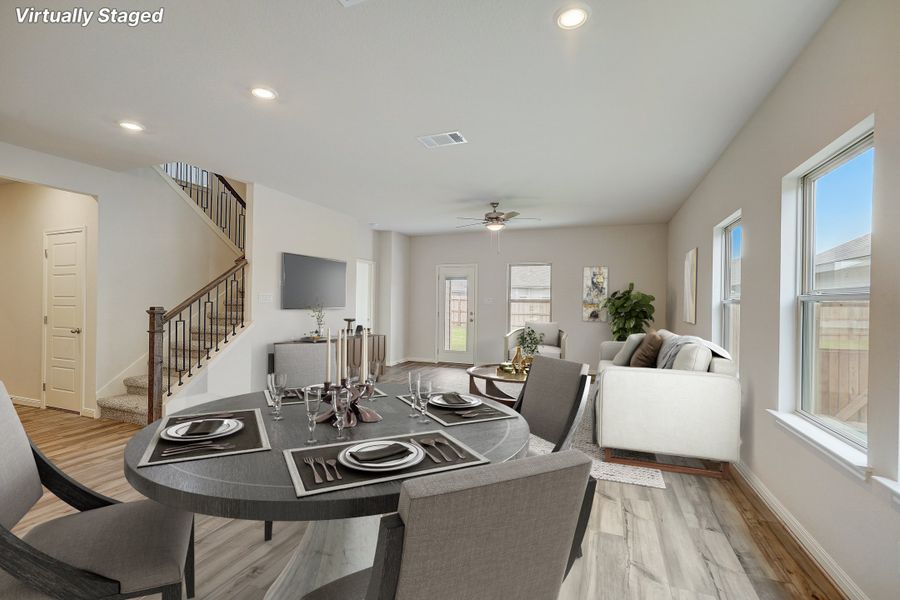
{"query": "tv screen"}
(307, 281)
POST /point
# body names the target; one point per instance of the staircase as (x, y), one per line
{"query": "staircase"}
(182, 340)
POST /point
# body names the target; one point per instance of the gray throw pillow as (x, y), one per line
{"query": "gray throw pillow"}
(668, 340)
(645, 355)
(623, 356)
(693, 357)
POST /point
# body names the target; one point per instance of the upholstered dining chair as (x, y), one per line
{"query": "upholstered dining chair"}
(553, 400)
(109, 550)
(498, 531)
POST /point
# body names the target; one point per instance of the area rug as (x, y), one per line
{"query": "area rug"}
(584, 441)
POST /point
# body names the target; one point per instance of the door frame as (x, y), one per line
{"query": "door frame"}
(82, 229)
(373, 284)
(437, 320)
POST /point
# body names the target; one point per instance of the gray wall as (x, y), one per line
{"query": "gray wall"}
(632, 253)
(848, 72)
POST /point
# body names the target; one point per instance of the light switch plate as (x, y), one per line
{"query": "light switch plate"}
(266, 298)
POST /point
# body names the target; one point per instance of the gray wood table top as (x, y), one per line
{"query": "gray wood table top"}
(257, 486)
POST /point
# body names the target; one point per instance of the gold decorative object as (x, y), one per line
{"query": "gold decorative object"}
(518, 361)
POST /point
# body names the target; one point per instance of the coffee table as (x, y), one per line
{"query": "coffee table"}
(490, 375)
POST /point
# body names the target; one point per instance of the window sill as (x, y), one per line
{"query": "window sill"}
(892, 486)
(852, 459)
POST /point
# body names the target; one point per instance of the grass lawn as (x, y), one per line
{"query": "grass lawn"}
(458, 338)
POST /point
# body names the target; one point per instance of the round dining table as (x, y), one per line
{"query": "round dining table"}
(343, 524)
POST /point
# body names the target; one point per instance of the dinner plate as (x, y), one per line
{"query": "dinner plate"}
(176, 433)
(471, 402)
(415, 457)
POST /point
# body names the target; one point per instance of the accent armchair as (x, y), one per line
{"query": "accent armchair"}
(554, 342)
(435, 547)
(108, 551)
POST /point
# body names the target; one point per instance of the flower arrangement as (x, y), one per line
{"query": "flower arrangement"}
(318, 313)
(529, 340)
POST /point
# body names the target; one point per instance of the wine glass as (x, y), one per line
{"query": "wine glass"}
(341, 404)
(270, 385)
(280, 383)
(422, 398)
(312, 396)
(414, 379)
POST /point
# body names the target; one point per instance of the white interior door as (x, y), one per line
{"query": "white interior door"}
(456, 313)
(64, 310)
(365, 293)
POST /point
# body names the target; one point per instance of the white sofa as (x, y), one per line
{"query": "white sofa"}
(667, 410)
(554, 341)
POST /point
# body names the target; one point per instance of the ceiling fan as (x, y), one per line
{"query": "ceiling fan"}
(494, 220)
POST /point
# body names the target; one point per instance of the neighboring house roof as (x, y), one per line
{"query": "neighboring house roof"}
(856, 248)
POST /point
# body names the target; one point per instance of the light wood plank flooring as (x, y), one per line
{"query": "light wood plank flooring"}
(698, 539)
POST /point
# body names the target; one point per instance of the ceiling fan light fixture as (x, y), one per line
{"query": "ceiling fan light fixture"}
(495, 226)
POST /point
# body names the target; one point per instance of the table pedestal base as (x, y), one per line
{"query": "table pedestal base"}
(328, 551)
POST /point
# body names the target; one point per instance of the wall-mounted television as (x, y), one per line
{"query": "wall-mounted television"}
(307, 281)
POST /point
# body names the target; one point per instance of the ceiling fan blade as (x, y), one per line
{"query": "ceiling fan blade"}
(470, 218)
(511, 215)
(469, 225)
(525, 219)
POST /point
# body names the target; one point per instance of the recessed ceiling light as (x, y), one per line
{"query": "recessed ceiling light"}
(572, 18)
(131, 126)
(264, 93)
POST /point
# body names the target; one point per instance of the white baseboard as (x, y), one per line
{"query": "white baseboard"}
(89, 413)
(116, 385)
(803, 537)
(26, 401)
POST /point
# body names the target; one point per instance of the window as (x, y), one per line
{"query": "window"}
(529, 294)
(733, 241)
(834, 299)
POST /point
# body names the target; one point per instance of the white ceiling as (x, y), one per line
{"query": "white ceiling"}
(613, 123)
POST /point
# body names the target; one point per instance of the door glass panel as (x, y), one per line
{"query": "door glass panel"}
(456, 310)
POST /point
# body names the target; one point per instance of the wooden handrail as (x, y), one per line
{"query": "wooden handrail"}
(238, 264)
(231, 189)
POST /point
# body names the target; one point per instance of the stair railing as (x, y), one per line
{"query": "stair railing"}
(214, 196)
(192, 330)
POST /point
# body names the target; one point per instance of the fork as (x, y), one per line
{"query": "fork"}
(425, 450)
(430, 442)
(312, 465)
(321, 461)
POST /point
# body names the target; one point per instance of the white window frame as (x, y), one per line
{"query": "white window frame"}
(809, 296)
(509, 298)
(727, 297)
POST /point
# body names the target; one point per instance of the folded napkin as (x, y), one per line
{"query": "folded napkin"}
(379, 455)
(454, 398)
(204, 427)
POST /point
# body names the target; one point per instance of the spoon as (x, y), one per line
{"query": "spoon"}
(430, 442)
(333, 464)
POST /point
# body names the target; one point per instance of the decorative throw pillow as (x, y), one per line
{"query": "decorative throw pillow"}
(668, 340)
(693, 357)
(623, 356)
(646, 353)
(550, 331)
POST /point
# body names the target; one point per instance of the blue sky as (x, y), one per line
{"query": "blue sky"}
(844, 202)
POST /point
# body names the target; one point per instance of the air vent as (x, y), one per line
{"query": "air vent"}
(451, 138)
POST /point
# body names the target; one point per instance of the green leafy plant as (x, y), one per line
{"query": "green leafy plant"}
(529, 340)
(629, 312)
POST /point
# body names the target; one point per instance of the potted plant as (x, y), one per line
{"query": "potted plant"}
(529, 340)
(318, 313)
(629, 312)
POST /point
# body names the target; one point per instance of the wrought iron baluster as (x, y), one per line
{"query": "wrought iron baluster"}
(169, 374)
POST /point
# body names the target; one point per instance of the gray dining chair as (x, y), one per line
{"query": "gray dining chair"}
(109, 550)
(553, 399)
(498, 531)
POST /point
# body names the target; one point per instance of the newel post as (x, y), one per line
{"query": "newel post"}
(154, 363)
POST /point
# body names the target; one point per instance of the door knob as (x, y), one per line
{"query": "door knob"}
(76, 330)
